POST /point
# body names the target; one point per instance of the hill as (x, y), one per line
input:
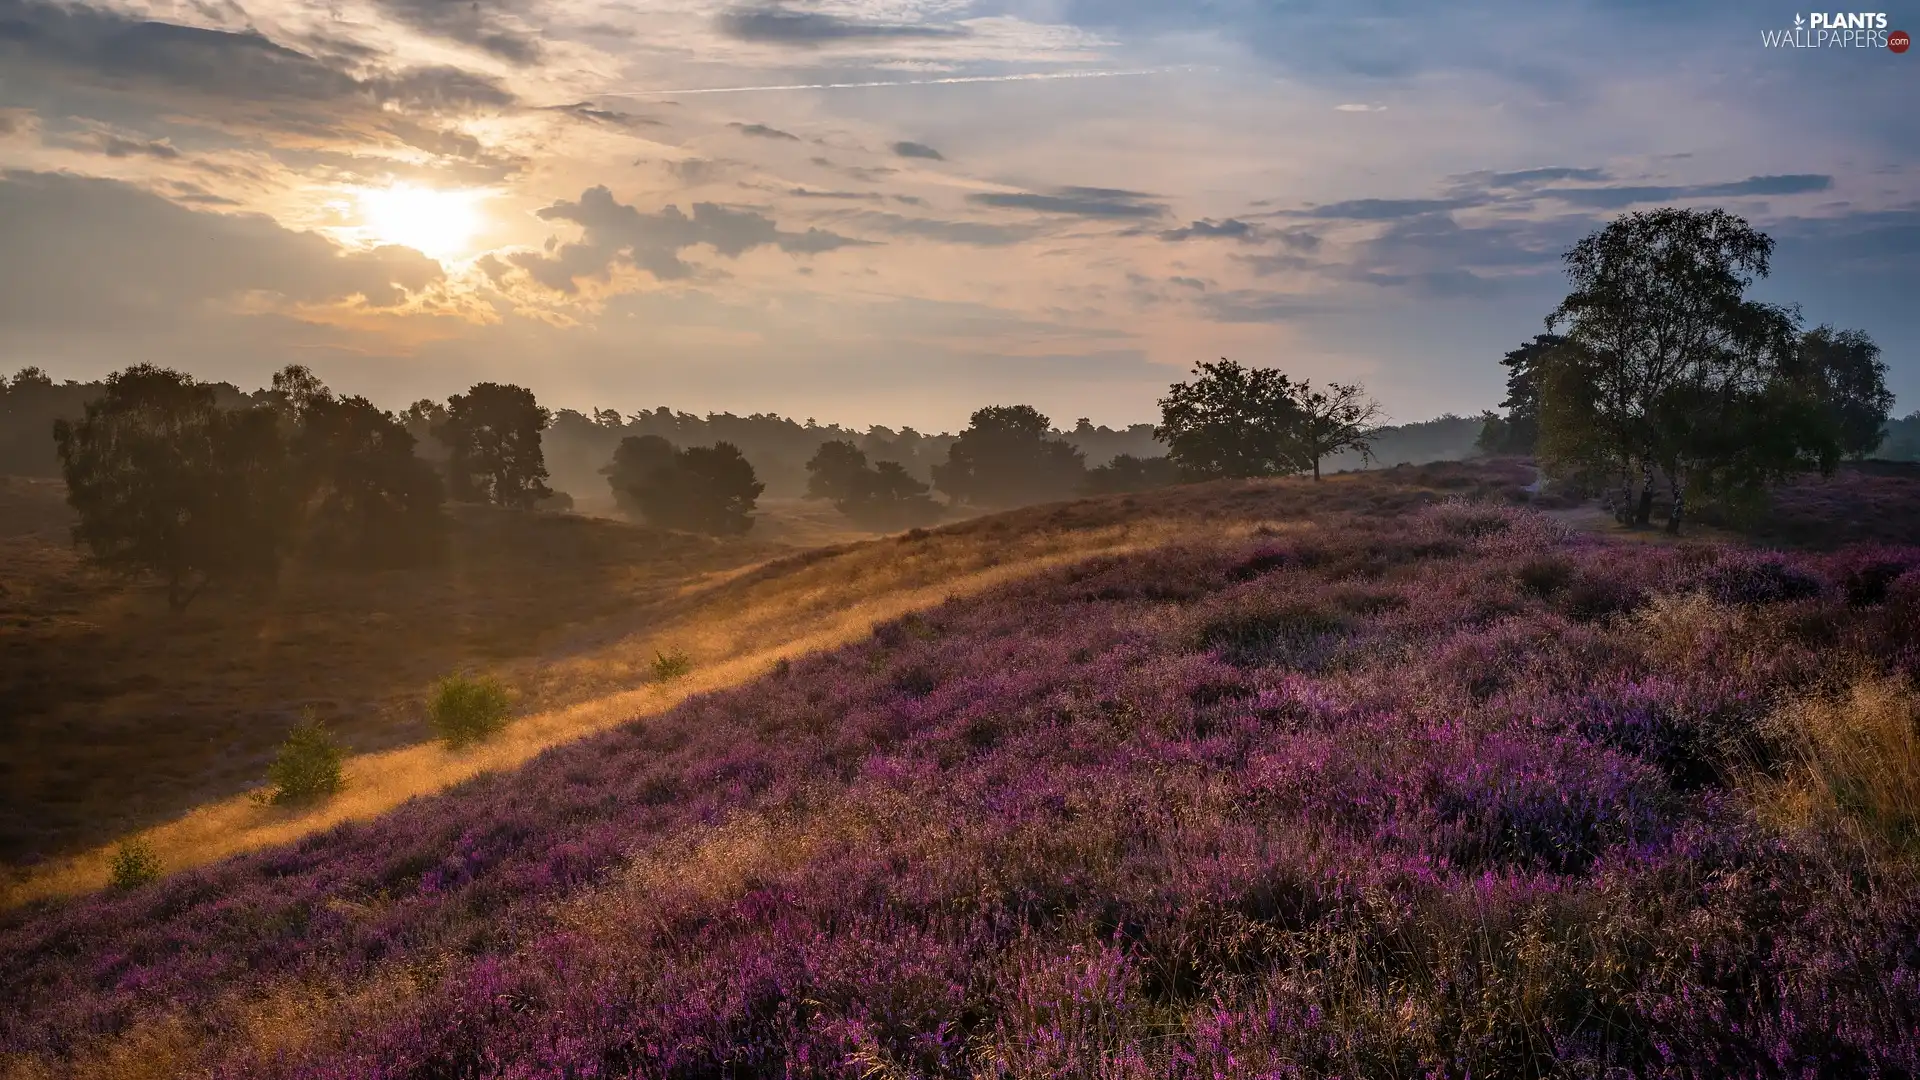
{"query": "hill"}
(1290, 780)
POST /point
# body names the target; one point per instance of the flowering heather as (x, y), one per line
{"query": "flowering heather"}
(1450, 793)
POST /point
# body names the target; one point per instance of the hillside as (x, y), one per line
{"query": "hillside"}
(1238, 779)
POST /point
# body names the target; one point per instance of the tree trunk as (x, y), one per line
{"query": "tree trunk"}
(1679, 504)
(1643, 513)
(1316, 470)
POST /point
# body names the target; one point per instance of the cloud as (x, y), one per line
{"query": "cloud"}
(1207, 228)
(86, 254)
(1357, 107)
(1379, 209)
(1619, 197)
(974, 233)
(1257, 306)
(778, 25)
(468, 23)
(1077, 201)
(917, 150)
(762, 131)
(617, 234)
(243, 81)
(1529, 177)
(809, 193)
(116, 146)
(593, 114)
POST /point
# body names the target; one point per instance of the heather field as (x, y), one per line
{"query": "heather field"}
(1385, 791)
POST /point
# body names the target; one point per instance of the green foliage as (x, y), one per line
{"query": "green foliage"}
(1237, 421)
(308, 764)
(1230, 421)
(709, 489)
(134, 864)
(368, 499)
(492, 435)
(1519, 431)
(886, 496)
(464, 711)
(1667, 369)
(671, 665)
(1005, 457)
(165, 483)
(1128, 473)
(834, 471)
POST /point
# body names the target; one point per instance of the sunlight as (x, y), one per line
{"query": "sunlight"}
(437, 224)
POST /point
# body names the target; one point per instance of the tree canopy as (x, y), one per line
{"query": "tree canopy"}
(710, 489)
(164, 482)
(1668, 368)
(1006, 457)
(1235, 421)
(492, 435)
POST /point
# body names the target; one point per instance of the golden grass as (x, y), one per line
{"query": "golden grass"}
(1855, 760)
(734, 626)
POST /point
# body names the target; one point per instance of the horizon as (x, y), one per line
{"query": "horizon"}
(903, 208)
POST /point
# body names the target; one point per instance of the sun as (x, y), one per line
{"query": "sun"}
(437, 224)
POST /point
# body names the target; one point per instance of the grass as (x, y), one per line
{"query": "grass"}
(1050, 827)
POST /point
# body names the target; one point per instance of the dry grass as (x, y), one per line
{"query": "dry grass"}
(120, 713)
(1856, 759)
(571, 612)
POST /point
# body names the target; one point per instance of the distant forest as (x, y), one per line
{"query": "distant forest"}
(579, 444)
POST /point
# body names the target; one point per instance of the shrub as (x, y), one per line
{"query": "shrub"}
(465, 711)
(668, 666)
(1258, 634)
(1545, 576)
(134, 864)
(1764, 582)
(308, 765)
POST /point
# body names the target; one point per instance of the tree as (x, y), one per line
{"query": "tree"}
(1005, 458)
(492, 435)
(710, 489)
(166, 483)
(1341, 417)
(1845, 369)
(1231, 421)
(1519, 431)
(640, 463)
(886, 496)
(1667, 366)
(834, 470)
(1129, 473)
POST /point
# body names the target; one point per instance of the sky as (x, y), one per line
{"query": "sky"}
(1063, 203)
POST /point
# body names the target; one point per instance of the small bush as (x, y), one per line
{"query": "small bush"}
(1767, 582)
(1545, 576)
(134, 864)
(668, 666)
(1251, 636)
(465, 711)
(308, 765)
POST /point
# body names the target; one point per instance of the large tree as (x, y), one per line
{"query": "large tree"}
(1844, 368)
(1341, 417)
(710, 489)
(492, 435)
(1668, 368)
(1007, 457)
(166, 483)
(886, 496)
(367, 499)
(834, 470)
(1519, 431)
(1231, 421)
